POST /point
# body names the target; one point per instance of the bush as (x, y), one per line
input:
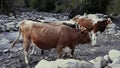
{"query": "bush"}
(74, 7)
(113, 7)
(43, 5)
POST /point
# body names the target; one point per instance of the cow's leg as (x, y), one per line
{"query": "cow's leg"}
(72, 50)
(26, 45)
(93, 38)
(42, 51)
(59, 50)
(33, 51)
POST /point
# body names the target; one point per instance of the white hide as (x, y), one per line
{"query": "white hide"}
(68, 21)
(93, 38)
(33, 50)
(26, 57)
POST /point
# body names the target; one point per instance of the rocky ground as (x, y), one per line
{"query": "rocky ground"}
(14, 58)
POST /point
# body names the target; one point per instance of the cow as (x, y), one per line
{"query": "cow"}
(46, 36)
(69, 23)
(92, 25)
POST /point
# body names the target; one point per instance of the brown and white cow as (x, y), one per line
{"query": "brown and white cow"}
(46, 36)
(93, 25)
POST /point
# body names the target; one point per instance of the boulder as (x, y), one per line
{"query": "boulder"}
(107, 58)
(96, 64)
(113, 54)
(113, 66)
(61, 63)
(68, 63)
(85, 64)
(46, 64)
(116, 61)
(99, 62)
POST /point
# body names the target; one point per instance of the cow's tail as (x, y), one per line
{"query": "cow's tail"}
(13, 43)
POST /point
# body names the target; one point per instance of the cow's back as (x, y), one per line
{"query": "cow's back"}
(87, 23)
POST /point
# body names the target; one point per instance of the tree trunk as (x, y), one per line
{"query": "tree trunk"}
(27, 3)
(1, 7)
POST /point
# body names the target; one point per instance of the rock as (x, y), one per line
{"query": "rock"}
(113, 65)
(68, 63)
(2, 22)
(96, 64)
(4, 41)
(116, 61)
(72, 63)
(46, 64)
(11, 16)
(16, 49)
(61, 63)
(99, 62)
(46, 57)
(85, 64)
(111, 26)
(95, 49)
(6, 50)
(21, 48)
(110, 31)
(1, 28)
(113, 54)
(107, 67)
(107, 58)
(67, 51)
(117, 34)
(9, 26)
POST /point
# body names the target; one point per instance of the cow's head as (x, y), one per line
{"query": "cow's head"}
(84, 36)
(101, 25)
(107, 21)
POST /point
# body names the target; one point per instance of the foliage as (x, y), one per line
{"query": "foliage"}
(113, 7)
(6, 6)
(72, 6)
(43, 5)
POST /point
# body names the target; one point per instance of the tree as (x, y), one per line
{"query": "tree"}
(27, 3)
(6, 6)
